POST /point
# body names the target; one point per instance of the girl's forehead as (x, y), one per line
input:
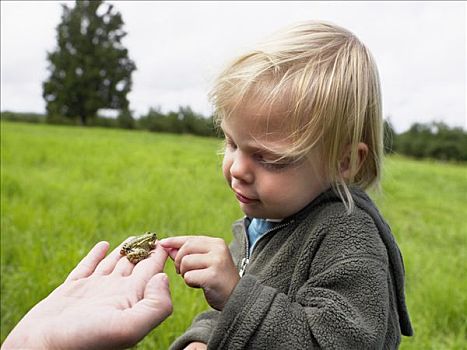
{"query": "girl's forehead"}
(256, 131)
(259, 120)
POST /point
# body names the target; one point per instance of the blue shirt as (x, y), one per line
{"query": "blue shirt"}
(257, 229)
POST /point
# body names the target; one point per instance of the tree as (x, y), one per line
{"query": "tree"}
(433, 140)
(90, 69)
(182, 121)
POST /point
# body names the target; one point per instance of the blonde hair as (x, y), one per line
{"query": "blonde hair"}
(326, 83)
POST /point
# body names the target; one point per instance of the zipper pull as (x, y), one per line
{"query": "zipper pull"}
(243, 265)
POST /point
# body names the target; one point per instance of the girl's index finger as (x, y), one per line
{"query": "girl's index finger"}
(174, 242)
(186, 244)
(172, 245)
(180, 246)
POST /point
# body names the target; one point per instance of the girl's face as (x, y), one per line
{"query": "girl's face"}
(264, 188)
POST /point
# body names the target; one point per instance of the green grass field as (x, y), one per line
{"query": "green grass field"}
(65, 188)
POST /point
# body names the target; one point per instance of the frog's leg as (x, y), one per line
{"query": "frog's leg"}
(137, 255)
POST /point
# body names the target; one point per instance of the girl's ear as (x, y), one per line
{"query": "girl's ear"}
(345, 169)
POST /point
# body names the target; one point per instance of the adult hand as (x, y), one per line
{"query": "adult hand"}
(105, 303)
(204, 262)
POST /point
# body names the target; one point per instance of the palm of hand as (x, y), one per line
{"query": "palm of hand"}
(104, 303)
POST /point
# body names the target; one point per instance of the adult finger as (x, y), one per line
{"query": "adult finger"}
(123, 267)
(88, 264)
(107, 265)
(155, 306)
(154, 264)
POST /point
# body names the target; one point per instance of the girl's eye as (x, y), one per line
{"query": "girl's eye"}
(230, 144)
(272, 164)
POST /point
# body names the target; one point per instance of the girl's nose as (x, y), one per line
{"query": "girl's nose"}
(241, 168)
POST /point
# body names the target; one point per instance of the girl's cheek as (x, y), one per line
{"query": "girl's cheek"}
(226, 164)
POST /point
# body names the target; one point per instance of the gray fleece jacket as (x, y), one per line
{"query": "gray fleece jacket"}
(322, 279)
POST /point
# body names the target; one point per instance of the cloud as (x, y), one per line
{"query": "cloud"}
(179, 47)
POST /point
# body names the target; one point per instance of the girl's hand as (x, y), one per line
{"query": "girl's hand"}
(105, 303)
(196, 346)
(204, 262)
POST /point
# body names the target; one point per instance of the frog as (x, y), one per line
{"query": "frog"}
(139, 248)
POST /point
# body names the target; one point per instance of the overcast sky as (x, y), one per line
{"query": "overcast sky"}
(179, 47)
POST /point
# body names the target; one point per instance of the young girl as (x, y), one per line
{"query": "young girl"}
(312, 264)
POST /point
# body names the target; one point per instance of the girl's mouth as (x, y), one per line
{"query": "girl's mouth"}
(244, 199)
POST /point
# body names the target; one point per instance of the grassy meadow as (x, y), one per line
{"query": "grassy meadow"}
(65, 188)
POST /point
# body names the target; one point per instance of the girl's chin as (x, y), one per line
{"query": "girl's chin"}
(256, 211)
(250, 209)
